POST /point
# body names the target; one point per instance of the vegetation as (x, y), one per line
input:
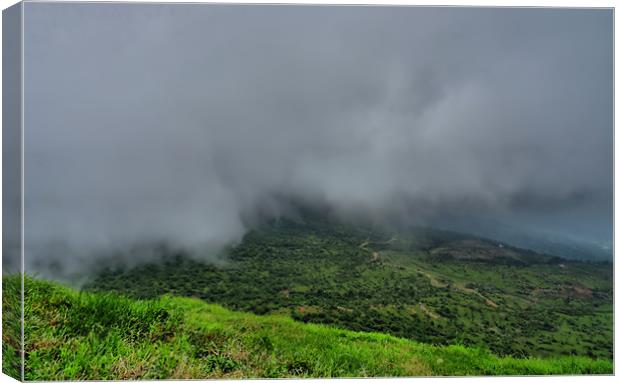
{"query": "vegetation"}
(429, 286)
(81, 335)
(11, 327)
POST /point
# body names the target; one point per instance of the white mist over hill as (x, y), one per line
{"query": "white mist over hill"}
(187, 123)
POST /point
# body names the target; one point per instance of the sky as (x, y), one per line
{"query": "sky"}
(190, 123)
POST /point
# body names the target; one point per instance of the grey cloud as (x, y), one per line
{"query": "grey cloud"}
(182, 122)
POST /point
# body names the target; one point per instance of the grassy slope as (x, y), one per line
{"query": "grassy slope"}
(428, 286)
(71, 335)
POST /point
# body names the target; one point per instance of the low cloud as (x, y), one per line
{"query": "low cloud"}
(186, 124)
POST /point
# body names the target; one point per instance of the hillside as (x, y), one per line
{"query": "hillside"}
(429, 286)
(78, 335)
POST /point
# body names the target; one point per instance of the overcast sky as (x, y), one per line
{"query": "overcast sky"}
(182, 122)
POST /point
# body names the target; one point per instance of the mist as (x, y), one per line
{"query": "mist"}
(189, 124)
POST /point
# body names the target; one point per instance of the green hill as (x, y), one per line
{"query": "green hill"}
(429, 286)
(81, 335)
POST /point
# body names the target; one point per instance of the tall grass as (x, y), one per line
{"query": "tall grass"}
(71, 335)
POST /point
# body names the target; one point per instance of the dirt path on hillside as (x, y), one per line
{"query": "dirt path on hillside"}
(467, 290)
(428, 312)
(435, 282)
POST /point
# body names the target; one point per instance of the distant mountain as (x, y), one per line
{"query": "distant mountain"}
(541, 242)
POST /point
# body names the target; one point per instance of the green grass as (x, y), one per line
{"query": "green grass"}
(11, 327)
(82, 335)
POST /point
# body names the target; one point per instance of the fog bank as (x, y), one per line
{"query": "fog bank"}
(187, 124)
